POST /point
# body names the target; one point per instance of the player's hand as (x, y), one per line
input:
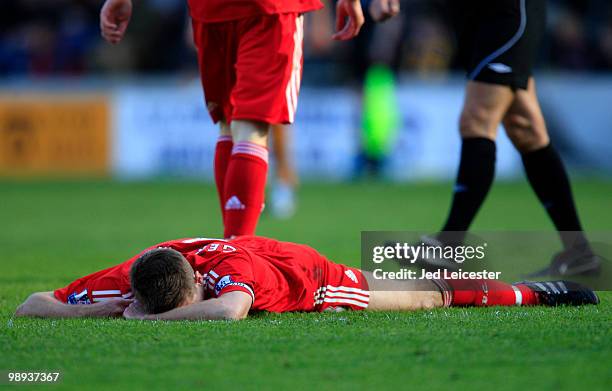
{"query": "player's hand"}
(114, 19)
(135, 311)
(381, 10)
(349, 19)
(110, 308)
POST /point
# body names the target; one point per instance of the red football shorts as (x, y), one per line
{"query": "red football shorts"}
(346, 287)
(251, 68)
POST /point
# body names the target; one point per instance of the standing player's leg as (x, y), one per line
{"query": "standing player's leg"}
(283, 192)
(484, 107)
(216, 45)
(285, 171)
(526, 128)
(223, 153)
(268, 70)
(245, 180)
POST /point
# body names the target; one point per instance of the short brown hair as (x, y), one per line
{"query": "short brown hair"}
(162, 280)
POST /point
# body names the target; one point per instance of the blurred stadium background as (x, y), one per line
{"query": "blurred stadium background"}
(70, 104)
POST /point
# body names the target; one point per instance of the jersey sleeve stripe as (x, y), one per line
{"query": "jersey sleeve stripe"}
(250, 291)
(239, 286)
(107, 292)
(99, 299)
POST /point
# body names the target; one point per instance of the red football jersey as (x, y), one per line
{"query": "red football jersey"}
(279, 276)
(210, 11)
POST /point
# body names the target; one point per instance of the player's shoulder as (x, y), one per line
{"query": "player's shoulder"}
(222, 250)
(186, 245)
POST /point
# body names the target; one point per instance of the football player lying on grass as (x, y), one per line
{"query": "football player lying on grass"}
(226, 279)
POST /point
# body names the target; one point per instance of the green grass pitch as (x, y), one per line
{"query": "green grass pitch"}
(53, 232)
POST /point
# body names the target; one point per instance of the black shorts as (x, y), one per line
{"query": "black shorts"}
(499, 39)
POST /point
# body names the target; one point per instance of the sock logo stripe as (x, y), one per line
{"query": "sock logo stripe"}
(518, 294)
(252, 149)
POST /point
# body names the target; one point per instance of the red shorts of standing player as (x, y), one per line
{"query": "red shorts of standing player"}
(203, 278)
(250, 59)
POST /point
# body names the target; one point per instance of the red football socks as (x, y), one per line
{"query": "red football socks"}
(223, 152)
(245, 183)
(484, 293)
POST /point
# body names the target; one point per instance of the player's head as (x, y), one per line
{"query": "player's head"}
(162, 280)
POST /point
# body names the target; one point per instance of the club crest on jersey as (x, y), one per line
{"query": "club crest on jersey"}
(79, 298)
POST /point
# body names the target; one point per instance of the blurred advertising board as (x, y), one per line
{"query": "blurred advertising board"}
(162, 131)
(428, 144)
(54, 134)
(166, 131)
(160, 127)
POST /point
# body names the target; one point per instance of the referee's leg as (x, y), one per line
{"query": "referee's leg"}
(524, 122)
(526, 128)
(484, 108)
(497, 40)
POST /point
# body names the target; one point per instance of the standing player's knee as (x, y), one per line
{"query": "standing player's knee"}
(526, 133)
(251, 131)
(224, 128)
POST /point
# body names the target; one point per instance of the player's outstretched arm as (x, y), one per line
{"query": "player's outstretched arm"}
(230, 306)
(114, 18)
(45, 305)
(381, 10)
(349, 19)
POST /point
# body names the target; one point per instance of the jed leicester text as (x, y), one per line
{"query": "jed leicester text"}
(407, 274)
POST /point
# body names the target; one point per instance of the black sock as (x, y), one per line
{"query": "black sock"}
(474, 179)
(548, 178)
